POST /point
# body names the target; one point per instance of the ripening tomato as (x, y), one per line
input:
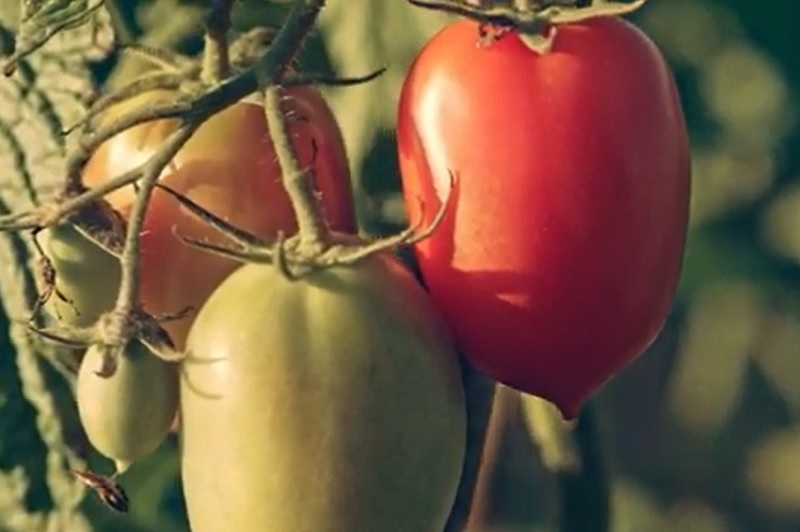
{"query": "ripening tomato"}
(127, 415)
(333, 402)
(87, 276)
(228, 167)
(558, 261)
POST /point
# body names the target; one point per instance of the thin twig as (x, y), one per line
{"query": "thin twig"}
(89, 144)
(123, 30)
(314, 235)
(216, 61)
(273, 64)
(292, 80)
(502, 405)
(585, 495)
(129, 283)
(479, 391)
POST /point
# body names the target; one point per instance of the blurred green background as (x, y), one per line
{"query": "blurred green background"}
(702, 432)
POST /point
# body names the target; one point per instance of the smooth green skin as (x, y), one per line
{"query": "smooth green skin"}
(128, 415)
(332, 403)
(86, 274)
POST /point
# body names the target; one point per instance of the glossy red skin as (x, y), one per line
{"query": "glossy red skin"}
(560, 255)
(229, 167)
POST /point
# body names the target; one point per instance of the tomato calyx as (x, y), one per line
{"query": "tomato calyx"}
(535, 22)
(314, 246)
(288, 254)
(113, 332)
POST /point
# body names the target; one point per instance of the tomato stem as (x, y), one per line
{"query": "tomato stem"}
(271, 68)
(529, 17)
(216, 58)
(123, 30)
(74, 191)
(585, 494)
(129, 287)
(482, 433)
(312, 228)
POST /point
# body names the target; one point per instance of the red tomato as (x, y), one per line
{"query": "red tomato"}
(229, 167)
(558, 261)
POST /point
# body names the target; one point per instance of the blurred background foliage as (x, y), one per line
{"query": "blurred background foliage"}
(702, 433)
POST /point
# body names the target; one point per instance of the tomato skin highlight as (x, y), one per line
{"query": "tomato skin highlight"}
(228, 166)
(325, 404)
(559, 258)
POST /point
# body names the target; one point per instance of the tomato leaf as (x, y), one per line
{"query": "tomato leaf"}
(361, 43)
(44, 94)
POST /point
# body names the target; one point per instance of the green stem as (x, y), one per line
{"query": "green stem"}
(216, 58)
(77, 161)
(273, 64)
(123, 30)
(480, 393)
(502, 409)
(129, 283)
(270, 67)
(585, 494)
(311, 226)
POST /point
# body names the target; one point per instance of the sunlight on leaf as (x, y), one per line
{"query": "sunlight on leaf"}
(695, 516)
(45, 93)
(781, 222)
(41, 20)
(362, 35)
(745, 97)
(634, 509)
(706, 384)
(776, 355)
(772, 470)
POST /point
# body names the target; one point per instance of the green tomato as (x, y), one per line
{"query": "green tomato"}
(330, 403)
(86, 275)
(127, 415)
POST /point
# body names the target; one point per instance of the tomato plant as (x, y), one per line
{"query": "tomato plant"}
(558, 261)
(229, 168)
(332, 402)
(128, 414)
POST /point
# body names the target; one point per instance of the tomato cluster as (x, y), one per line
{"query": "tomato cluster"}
(334, 401)
(306, 393)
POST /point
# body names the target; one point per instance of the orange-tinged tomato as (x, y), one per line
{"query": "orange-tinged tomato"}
(229, 167)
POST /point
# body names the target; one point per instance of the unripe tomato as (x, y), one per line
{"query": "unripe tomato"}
(127, 415)
(330, 403)
(86, 275)
(228, 167)
(557, 263)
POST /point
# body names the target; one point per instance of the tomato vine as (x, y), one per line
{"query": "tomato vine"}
(210, 89)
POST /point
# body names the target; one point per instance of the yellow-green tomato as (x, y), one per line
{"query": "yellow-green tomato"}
(86, 274)
(328, 404)
(127, 415)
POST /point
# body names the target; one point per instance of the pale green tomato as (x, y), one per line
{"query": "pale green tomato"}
(86, 275)
(128, 415)
(331, 403)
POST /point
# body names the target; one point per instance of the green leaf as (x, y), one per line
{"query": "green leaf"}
(37, 418)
